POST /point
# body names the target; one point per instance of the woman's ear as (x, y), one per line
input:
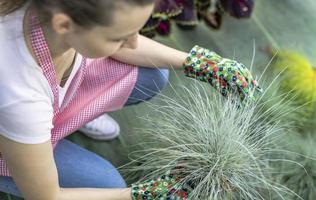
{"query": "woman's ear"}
(62, 23)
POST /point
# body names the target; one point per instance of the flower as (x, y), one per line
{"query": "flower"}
(238, 8)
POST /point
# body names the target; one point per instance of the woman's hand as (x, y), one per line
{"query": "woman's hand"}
(167, 186)
(223, 74)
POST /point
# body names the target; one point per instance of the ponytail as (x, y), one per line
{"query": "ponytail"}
(8, 6)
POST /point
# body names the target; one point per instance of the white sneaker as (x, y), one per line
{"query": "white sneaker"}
(101, 128)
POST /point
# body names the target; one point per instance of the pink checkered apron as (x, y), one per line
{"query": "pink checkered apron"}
(99, 86)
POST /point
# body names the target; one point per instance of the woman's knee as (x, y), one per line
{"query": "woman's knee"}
(102, 175)
(149, 83)
(161, 79)
(78, 167)
(152, 78)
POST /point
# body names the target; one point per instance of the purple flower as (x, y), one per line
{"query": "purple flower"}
(164, 27)
(167, 8)
(188, 17)
(238, 8)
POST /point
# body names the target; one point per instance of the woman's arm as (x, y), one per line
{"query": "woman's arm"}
(34, 171)
(150, 53)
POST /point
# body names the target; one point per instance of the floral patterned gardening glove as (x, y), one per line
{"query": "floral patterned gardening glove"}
(163, 188)
(223, 74)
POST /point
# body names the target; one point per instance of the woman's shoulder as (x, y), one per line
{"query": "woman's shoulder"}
(25, 102)
(20, 79)
(17, 67)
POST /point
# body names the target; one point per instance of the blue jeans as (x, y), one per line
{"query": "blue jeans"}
(80, 168)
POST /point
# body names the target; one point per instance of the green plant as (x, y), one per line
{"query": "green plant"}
(300, 178)
(226, 150)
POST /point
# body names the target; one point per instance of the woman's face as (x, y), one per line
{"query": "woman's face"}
(101, 41)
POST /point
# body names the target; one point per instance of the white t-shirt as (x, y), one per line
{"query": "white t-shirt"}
(26, 99)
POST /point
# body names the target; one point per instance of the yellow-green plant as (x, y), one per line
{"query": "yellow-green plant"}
(299, 75)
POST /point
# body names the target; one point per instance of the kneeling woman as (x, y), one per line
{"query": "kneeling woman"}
(65, 63)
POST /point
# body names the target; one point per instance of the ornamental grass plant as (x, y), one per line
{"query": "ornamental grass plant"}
(226, 149)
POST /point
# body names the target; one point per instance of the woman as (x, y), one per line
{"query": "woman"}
(64, 63)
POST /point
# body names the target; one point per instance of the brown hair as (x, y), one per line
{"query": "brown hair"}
(83, 12)
(9, 6)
